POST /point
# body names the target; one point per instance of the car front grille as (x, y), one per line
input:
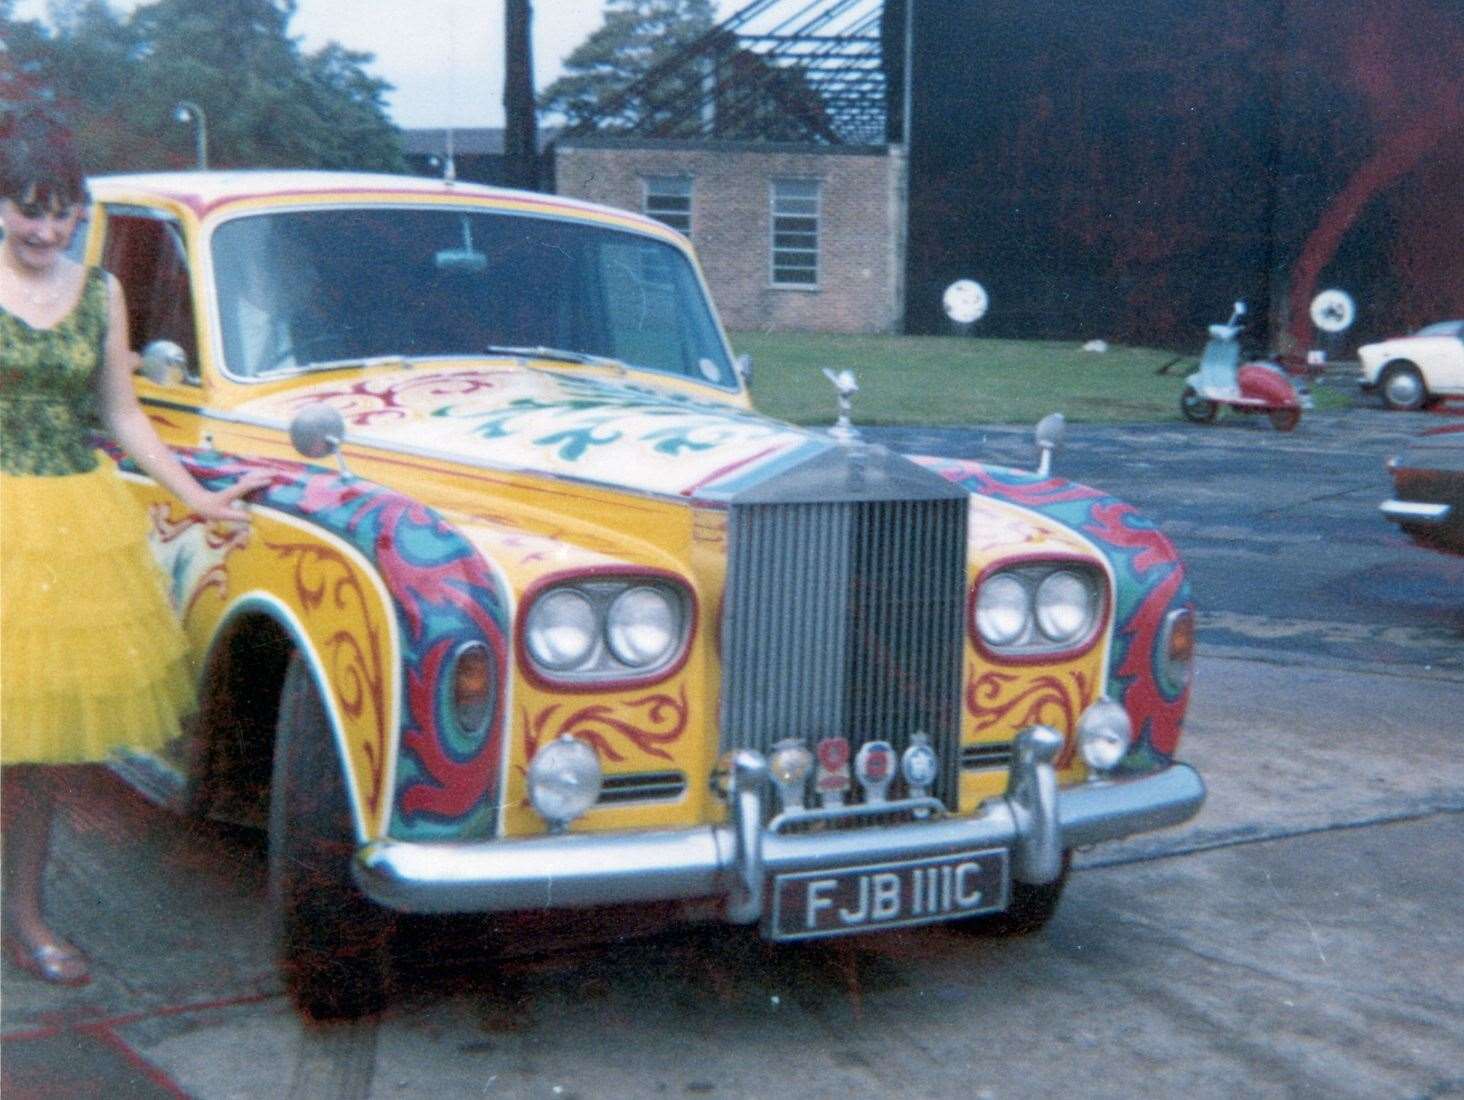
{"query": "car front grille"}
(845, 618)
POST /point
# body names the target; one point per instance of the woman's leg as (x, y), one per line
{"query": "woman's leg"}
(29, 805)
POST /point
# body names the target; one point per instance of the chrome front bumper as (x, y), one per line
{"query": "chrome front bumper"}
(1035, 821)
(1414, 511)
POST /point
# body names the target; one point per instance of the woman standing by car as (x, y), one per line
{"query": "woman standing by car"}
(91, 656)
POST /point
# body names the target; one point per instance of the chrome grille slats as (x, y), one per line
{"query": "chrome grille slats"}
(642, 786)
(986, 755)
(844, 608)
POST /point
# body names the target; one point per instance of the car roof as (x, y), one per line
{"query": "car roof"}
(204, 192)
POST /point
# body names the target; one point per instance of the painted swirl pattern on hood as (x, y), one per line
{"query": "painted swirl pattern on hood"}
(617, 433)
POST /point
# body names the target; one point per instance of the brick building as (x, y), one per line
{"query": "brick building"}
(773, 142)
(791, 237)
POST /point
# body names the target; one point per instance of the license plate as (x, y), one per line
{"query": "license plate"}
(813, 904)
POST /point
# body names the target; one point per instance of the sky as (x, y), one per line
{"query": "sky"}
(444, 57)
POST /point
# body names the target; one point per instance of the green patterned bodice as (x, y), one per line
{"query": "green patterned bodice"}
(47, 387)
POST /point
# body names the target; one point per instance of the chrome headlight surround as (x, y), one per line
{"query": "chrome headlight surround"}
(628, 627)
(1038, 609)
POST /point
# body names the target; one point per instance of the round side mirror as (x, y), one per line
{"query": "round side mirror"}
(1050, 430)
(743, 363)
(317, 431)
(163, 362)
(1240, 309)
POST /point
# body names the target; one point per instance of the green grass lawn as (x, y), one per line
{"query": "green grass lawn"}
(953, 380)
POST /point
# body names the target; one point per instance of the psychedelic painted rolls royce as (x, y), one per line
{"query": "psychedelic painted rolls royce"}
(538, 613)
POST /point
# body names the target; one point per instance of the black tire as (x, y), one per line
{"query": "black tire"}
(1031, 909)
(334, 944)
(1402, 387)
(1197, 409)
(1284, 420)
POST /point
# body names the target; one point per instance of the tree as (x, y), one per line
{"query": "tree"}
(636, 36)
(268, 103)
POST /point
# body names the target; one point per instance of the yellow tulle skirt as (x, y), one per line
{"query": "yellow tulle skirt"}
(92, 658)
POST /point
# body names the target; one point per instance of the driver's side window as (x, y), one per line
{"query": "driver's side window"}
(144, 248)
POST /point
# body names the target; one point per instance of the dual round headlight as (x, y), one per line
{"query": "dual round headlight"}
(605, 629)
(562, 629)
(1035, 609)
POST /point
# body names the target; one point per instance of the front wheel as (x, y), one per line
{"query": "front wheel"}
(1284, 420)
(1195, 408)
(1403, 387)
(334, 944)
(1032, 907)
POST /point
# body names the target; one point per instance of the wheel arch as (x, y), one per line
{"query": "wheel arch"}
(243, 679)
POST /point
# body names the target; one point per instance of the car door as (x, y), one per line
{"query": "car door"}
(1447, 366)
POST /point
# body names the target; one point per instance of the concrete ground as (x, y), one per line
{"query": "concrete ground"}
(1300, 938)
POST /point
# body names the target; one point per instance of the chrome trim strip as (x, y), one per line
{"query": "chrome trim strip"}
(793, 820)
(1415, 511)
(733, 861)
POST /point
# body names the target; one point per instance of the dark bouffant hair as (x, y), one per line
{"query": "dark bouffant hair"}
(38, 162)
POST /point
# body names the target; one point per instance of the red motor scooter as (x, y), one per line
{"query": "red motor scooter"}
(1224, 382)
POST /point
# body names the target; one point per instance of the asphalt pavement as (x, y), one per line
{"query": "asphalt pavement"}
(1297, 939)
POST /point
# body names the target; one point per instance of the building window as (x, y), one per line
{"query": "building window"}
(795, 232)
(668, 199)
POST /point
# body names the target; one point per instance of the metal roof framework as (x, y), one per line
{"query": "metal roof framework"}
(776, 70)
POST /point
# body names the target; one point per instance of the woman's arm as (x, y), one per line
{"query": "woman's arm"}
(132, 430)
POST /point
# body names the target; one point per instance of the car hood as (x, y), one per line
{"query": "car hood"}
(608, 431)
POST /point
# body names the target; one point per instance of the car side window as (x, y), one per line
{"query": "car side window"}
(144, 248)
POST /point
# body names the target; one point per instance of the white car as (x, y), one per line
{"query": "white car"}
(1411, 371)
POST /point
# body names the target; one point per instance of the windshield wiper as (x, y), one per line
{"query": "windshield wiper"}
(562, 355)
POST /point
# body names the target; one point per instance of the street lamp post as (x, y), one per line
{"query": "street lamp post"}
(188, 111)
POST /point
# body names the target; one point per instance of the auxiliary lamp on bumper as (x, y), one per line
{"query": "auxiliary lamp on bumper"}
(1105, 734)
(564, 781)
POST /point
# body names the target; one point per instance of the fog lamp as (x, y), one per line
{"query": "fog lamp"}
(789, 767)
(564, 781)
(1104, 735)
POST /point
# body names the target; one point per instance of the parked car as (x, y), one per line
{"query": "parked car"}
(539, 613)
(1428, 489)
(1412, 371)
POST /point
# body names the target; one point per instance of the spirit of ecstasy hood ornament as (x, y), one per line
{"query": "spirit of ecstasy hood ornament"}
(844, 383)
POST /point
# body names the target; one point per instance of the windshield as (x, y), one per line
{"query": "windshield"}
(1442, 328)
(302, 290)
